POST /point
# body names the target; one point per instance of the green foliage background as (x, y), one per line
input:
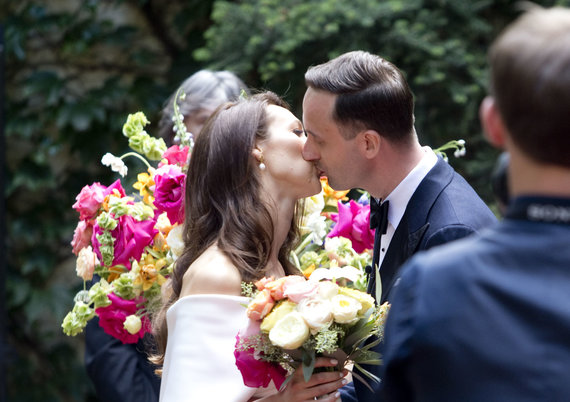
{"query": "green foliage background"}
(75, 69)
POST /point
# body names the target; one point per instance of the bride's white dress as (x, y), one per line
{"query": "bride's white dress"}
(199, 364)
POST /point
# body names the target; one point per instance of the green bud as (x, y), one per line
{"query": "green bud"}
(118, 207)
(124, 287)
(98, 294)
(140, 211)
(135, 124)
(71, 324)
(137, 141)
(106, 221)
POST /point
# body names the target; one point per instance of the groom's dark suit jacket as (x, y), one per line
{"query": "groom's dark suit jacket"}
(486, 318)
(443, 208)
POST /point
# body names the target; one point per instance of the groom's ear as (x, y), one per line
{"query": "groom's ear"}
(369, 142)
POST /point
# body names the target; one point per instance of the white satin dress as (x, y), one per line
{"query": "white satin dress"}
(199, 363)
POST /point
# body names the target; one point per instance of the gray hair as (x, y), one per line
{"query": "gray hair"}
(204, 89)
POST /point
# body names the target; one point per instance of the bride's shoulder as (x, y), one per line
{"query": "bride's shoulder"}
(212, 273)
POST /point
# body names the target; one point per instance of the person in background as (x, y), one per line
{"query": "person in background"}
(358, 113)
(488, 318)
(121, 372)
(204, 91)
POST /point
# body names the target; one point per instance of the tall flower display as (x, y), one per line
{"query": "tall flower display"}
(130, 242)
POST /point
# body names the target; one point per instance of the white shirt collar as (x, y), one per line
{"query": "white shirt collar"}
(401, 195)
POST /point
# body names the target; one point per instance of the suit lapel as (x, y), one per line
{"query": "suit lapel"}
(412, 228)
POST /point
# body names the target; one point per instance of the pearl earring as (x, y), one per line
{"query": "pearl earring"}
(261, 164)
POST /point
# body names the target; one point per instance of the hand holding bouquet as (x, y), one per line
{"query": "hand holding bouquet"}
(295, 320)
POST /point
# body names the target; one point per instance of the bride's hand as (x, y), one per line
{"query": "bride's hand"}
(322, 385)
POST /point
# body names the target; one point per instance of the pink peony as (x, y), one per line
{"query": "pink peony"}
(169, 192)
(90, 198)
(176, 155)
(279, 287)
(353, 222)
(82, 236)
(131, 237)
(112, 318)
(255, 372)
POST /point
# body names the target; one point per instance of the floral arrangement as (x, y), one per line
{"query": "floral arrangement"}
(293, 320)
(130, 241)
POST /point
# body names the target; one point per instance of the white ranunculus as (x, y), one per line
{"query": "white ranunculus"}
(290, 331)
(86, 262)
(345, 309)
(316, 312)
(132, 324)
(327, 289)
(175, 240)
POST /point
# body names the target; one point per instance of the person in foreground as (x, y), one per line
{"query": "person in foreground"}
(244, 181)
(358, 113)
(121, 372)
(488, 318)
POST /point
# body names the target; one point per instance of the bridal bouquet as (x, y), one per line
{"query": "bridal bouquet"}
(294, 320)
(129, 241)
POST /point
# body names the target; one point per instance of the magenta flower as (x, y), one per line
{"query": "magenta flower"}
(82, 236)
(131, 237)
(90, 198)
(176, 155)
(169, 192)
(353, 222)
(112, 318)
(255, 372)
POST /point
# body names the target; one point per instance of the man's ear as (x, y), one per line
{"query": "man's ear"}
(492, 122)
(370, 142)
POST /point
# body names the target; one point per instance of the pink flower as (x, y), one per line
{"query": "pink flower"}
(176, 155)
(112, 318)
(169, 192)
(300, 290)
(279, 287)
(131, 237)
(82, 236)
(255, 372)
(353, 222)
(90, 198)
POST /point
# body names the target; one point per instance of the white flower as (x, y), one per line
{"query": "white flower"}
(316, 312)
(175, 240)
(132, 324)
(327, 289)
(86, 262)
(345, 309)
(335, 272)
(116, 164)
(315, 204)
(290, 331)
(316, 225)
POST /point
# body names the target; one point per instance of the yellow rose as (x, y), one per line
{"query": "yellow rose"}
(282, 309)
(365, 299)
(290, 331)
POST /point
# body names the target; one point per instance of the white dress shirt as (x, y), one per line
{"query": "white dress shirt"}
(401, 195)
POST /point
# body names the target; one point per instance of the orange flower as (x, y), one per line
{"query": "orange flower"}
(260, 306)
(331, 193)
(148, 275)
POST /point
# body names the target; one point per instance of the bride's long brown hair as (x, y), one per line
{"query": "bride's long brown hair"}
(224, 201)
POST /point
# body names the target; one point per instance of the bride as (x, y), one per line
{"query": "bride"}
(244, 181)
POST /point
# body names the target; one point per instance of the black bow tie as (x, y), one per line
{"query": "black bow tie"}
(379, 215)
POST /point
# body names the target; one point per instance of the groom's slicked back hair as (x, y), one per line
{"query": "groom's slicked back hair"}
(530, 81)
(372, 93)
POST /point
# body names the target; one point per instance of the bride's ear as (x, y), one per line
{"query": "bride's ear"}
(257, 154)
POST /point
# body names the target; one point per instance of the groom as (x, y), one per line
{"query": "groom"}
(358, 113)
(503, 296)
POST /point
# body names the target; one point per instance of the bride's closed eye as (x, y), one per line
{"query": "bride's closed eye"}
(298, 132)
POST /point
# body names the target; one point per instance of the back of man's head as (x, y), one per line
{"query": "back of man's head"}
(530, 81)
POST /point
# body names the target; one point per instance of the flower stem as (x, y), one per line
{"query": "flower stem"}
(138, 156)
